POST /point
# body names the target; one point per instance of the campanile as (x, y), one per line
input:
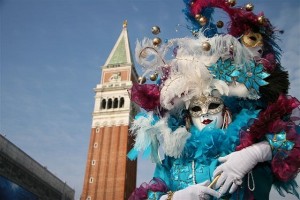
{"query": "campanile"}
(109, 174)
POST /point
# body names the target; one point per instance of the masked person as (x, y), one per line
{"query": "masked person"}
(218, 122)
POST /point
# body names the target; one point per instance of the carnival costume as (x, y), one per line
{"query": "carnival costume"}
(218, 121)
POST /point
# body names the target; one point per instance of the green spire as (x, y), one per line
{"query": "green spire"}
(121, 53)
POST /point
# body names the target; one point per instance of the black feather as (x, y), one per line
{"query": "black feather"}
(278, 84)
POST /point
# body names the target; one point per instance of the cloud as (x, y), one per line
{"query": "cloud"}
(290, 42)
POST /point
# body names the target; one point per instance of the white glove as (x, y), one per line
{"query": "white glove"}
(237, 164)
(199, 191)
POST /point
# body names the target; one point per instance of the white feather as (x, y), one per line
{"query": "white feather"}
(173, 142)
(143, 131)
(238, 90)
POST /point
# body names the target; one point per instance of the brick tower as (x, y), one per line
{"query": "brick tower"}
(109, 174)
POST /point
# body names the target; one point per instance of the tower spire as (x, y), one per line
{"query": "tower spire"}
(120, 54)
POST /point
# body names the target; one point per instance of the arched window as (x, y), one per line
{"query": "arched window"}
(122, 102)
(109, 104)
(103, 104)
(116, 101)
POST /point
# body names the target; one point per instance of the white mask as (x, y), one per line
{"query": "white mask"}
(206, 110)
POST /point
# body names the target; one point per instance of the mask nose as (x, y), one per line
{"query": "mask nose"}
(204, 110)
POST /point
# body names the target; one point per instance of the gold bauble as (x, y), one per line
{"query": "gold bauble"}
(142, 80)
(155, 30)
(261, 19)
(156, 41)
(143, 54)
(249, 7)
(220, 24)
(206, 46)
(202, 21)
(197, 17)
(153, 77)
(231, 2)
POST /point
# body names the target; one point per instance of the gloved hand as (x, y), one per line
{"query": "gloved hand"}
(237, 164)
(199, 191)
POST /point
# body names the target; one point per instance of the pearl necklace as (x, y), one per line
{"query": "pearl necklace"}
(193, 171)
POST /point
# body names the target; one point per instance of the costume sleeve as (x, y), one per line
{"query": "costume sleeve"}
(157, 187)
(279, 125)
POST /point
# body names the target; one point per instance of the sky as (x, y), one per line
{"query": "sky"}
(51, 55)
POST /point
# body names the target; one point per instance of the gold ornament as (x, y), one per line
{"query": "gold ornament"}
(249, 74)
(220, 24)
(206, 46)
(249, 7)
(155, 30)
(156, 41)
(261, 19)
(143, 54)
(202, 21)
(252, 39)
(142, 80)
(153, 77)
(170, 195)
(197, 17)
(231, 2)
(125, 24)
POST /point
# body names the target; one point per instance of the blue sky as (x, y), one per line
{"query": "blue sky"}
(51, 54)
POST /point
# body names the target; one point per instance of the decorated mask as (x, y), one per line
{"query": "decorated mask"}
(205, 110)
(254, 43)
(252, 39)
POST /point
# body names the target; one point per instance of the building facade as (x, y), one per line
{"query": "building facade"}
(109, 174)
(21, 177)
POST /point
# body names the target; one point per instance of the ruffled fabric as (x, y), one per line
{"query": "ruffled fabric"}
(278, 118)
(155, 185)
(210, 143)
(145, 95)
(241, 20)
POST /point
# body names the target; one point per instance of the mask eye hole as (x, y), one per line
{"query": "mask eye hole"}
(196, 109)
(213, 106)
(253, 38)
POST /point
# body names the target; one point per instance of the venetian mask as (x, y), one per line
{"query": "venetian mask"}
(205, 110)
(254, 43)
(252, 39)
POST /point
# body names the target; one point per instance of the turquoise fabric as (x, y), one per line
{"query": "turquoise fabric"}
(178, 173)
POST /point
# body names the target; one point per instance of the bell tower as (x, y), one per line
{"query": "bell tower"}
(109, 174)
